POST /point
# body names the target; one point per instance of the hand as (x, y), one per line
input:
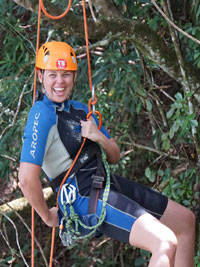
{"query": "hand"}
(52, 219)
(90, 131)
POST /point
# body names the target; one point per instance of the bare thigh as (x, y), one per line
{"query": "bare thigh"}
(177, 217)
(147, 233)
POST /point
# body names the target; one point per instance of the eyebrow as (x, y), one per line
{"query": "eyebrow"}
(54, 71)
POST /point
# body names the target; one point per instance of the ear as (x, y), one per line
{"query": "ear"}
(40, 74)
(75, 75)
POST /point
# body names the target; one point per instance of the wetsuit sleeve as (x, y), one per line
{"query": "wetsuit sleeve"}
(35, 135)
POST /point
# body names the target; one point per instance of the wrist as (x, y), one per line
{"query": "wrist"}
(46, 217)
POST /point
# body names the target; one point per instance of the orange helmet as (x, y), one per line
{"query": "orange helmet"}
(56, 56)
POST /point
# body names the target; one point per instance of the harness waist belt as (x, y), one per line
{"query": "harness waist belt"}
(92, 151)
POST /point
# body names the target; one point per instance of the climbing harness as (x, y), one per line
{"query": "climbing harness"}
(70, 222)
(69, 192)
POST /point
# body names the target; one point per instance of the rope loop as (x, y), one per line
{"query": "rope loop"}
(55, 17)
(92, 103)
(100, 117)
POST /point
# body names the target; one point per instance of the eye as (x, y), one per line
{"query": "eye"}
(66, 74)
(52, 75)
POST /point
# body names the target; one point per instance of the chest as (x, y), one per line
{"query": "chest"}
(69, 128)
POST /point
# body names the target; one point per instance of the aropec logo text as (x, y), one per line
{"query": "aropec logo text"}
(34, 134)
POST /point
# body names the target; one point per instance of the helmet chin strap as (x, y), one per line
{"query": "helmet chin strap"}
(43, 88)
(44, 91)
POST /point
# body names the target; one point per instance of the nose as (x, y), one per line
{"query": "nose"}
(59, 79)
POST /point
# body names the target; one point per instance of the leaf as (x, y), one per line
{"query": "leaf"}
(198, 13)
(170, 113)
(138, 107)
(148, 172)
(194, 123)
(161, 172)
(166, 145)
(152, 178)
(150, 175)
(186, 202)
(173, 129)
(149, 105)
(179, 96)
(140, 261)
(164, 136)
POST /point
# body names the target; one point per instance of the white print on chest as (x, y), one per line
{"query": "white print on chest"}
(34, 135)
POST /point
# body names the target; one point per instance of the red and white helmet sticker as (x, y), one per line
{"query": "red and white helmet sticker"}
(61, 64)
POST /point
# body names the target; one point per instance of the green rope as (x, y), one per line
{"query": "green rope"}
(72, 221)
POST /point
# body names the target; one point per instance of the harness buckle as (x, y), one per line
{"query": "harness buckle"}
(97, 181)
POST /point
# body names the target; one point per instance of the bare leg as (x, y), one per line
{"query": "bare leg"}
(149, 234)
(182, 222)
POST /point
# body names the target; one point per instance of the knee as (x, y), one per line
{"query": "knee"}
(168, 245)
(170, 242)
(188, 221)
(191, 218)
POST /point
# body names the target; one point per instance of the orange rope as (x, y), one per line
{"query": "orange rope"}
(55, 17)
(32, 235)
(91, 102)
(87, 45)
(34, 93)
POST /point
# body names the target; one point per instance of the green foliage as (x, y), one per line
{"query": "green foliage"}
(152, 128)
(15, 67)
(151, 175)
(181, 117)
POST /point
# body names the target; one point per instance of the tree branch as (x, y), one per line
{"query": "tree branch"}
(186, 84)
(21, 203)
(9, 207)
(145, 39)
(18, 107)
(132, 143)
(17, 237)
(173, 24)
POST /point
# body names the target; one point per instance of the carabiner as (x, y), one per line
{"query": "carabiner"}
(100, 117)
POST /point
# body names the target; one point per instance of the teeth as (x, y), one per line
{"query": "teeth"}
(59, 89)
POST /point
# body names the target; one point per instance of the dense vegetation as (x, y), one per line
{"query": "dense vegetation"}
(146, 76)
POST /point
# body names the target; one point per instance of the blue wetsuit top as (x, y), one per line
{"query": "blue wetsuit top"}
(42, 144)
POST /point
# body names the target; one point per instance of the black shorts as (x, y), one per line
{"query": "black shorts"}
(127, 201)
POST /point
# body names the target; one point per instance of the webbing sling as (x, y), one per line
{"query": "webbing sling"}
(97, 184)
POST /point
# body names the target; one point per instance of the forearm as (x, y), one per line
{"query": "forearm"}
(34, 194)
(111, 148)
(30, 184)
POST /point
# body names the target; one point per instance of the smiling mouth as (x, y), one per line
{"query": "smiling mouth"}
(58, 90)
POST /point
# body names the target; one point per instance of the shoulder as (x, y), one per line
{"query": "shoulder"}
(43, 112)
(41, 117)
